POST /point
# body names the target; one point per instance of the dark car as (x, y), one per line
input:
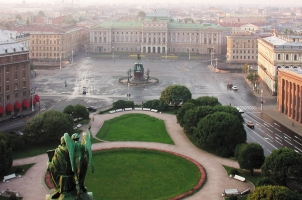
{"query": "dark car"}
(91, 108)
(250, 124)
(17, 115)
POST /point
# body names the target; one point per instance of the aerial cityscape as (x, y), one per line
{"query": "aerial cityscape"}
(80, 78)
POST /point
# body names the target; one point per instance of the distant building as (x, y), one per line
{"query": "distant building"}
(22, 38)
(15, 89)
(290, 93)
(158, 33)
(49, 42)
(274, 53)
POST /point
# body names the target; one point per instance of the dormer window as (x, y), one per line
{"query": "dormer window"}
(22, 48)
(5, 50)
(14, 49)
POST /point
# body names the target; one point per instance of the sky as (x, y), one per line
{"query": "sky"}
(271, 3)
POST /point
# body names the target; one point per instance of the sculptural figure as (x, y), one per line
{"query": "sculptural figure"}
(69, 165)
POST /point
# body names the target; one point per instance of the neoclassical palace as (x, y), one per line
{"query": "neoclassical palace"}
(274, 53)
(158, 33)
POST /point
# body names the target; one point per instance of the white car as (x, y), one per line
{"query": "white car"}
(234, 88)
(79, 125)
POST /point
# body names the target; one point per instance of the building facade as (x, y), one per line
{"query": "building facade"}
(242, 48)
(274, 53)
(158, 33)
(290, 93)
(15, 91)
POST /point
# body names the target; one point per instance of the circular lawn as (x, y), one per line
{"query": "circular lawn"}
(133, 173)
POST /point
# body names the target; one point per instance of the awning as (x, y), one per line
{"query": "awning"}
(34, 102)
(37, 98)
(9, 107)
(25, 103)
(2, 110)
(18, 105)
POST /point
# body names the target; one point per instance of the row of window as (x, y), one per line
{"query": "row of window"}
(287, 57)
(46, 48)
(47, 55)
(16, 96)
(248, 41)
(245, 46)
(245, 57)
(179, 49)
(244, 51)
(157, 33)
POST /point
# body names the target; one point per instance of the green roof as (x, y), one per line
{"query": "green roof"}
(173, 25)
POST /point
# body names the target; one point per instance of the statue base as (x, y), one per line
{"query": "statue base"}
(70, 196)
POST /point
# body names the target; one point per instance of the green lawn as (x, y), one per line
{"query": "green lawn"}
(135, 127)
(13, 169)
(140, 174)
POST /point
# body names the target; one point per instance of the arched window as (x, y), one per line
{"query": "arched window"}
(287, 57)
(295, 57)
(279, 57)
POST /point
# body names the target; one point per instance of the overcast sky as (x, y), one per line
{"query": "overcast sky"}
(213, 2)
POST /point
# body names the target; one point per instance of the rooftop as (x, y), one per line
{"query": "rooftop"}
(279, 42)
(12, 47)
(294, 71)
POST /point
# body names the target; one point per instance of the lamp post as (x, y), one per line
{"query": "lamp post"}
(212, 54)
(128, 92)
(261, 100)
(166, 53)
(189, 54)
(216, 59)
(32, 92)
(60, 62)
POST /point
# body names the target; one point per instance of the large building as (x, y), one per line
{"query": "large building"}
(48, 42)
(15, 91)
(242, 48)
(274, 53)
(290, 93)
(158, 33)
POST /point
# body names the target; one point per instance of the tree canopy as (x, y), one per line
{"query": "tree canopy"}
(77, 111)
(156, 104)
(6, 158)
(291, 163)
(220, 129)
(48, 126)
(41, 13)
(273, 192)
(207, 101)
(251, 156)
(175, 94)
(182, 111)
(122, 104)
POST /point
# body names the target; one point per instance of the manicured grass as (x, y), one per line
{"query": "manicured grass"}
(7, 198)
(140, 174)
(135, 127)
(34, 149)
(13, 169)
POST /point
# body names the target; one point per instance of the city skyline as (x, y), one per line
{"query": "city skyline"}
(270, 3)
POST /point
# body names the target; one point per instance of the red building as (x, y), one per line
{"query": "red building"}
(290, 93)
(14, 78)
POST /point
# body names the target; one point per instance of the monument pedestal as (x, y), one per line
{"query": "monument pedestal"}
(71, 196)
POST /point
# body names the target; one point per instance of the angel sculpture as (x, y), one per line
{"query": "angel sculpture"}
(69, 172)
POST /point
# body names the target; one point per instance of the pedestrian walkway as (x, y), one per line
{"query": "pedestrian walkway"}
(32, 186)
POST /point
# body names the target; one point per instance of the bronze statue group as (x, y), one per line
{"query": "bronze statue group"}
(68, 165)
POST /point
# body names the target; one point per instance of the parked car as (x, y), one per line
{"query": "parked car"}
(17, 115)
(229, 85)
(234, 88)
(16, 132)
(250, 124)
(91, 108)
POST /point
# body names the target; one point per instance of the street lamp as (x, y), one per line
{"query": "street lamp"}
(166, 53)
(189, 54)
(128, 92)
(212, 54)
(32, 92)
(216, 59)
(261, 100)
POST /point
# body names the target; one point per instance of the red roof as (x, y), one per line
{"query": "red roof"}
(9, 107)
(37, 98)
(25, 103)
(34, 102)
(2, 110)
(18, 105)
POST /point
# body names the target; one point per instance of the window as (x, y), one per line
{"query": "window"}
(7, 88)
(295, 57)
(287, 57)
(16, 86)
(279, 57)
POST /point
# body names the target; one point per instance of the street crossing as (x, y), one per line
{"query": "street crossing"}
(247, 108)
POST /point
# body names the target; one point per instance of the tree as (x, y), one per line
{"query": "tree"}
(121, 104)
(282, 163)
(141, 15)
(245, 68)
(41, 13)
(229, 109)
(80, 111)
(253, 78)
(251, 157)
(265, 181)
(207, 101)
(47, 127)
(182, 111)
(68, 110)
(220, 129)
(193, 116)
(273, 192)
(175, 94)
(156, 104)
(6, 157)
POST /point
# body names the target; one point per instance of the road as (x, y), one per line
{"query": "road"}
(100, 77)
